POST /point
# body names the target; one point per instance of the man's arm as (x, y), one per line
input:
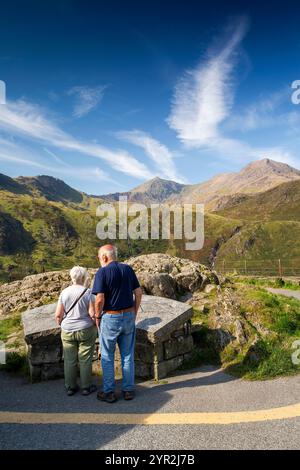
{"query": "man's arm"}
(99, 304)
(137, 299)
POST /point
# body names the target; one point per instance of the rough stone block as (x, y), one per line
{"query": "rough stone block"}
(44, 352)
(143, 370)
(52, 371)
(177, 346)
(165, 367)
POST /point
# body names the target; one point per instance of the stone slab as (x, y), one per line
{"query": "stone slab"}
(157, 319)
(39, 322)
(160, 316)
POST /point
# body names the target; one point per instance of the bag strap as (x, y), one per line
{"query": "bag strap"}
(76, 301)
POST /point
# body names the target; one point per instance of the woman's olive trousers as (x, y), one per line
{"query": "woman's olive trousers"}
(79, 347)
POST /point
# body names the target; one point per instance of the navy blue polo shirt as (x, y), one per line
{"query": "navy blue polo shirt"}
(116, 281)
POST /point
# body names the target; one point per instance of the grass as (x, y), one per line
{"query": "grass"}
(267, 282)
(265, 355)
(280, 315)
(204, 351)
(275, 362)
(16, 360)
(9, 326)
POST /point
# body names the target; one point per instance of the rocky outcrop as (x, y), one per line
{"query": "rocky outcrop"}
(159, 274)
(33, 291)
(227, 322)
(169, 276)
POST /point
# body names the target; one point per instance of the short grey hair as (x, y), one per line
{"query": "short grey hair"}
(79, 275)
(112, 253)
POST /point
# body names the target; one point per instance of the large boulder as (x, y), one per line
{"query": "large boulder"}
(169, 276)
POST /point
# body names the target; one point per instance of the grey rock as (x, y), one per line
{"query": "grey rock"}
(178, 346)
(164, 368)
(161, 285)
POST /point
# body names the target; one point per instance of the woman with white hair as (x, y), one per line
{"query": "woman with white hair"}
(75, 314)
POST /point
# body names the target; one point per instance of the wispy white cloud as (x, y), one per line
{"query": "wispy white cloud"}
(158, 152)
(59, 160)
(203, 101)
(14, 153)
(86, 98)
(203, 97)
(25, 119)
(266, 112)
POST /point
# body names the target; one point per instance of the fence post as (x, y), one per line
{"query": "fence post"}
(245, 266)
(223, 266)
(279, 268)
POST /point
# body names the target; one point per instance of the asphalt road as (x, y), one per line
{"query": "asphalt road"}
(226, 413)
(286, 292)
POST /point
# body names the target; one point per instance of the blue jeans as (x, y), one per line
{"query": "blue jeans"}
(117, 328)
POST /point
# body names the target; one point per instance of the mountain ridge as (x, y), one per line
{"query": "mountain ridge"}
(60, 233)
(256, 177)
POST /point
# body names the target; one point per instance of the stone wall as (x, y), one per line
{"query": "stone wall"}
(163, 339)
(159, 359)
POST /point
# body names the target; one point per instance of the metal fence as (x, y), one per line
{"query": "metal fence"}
(260, 267)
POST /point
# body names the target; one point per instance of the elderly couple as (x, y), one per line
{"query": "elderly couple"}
(111, 308)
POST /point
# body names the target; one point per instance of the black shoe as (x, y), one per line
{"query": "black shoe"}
(129, 395)
(109, 397)
(89, 390)
(71, 391)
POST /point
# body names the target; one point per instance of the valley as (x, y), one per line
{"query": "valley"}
(252, 219)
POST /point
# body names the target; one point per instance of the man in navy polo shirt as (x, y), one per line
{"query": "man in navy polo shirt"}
(118, 298)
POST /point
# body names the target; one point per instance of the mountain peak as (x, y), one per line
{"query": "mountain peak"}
(50, 187)
(267, 164)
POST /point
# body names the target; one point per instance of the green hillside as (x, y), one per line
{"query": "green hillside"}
(38, 233)
(52, 235)
(280, 203)
(269, 248)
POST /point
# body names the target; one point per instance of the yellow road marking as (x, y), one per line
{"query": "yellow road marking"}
(235, 417)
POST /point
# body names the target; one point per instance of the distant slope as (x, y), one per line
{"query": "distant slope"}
(11, 185)
(51, 188)
(279, 203)
(257, 177)
(156, 190)
(261, 245)
(13, 237)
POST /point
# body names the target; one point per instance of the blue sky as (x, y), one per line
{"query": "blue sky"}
(106, 95)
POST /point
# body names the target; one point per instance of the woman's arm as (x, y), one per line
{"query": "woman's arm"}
(59, 313)
(92, 310)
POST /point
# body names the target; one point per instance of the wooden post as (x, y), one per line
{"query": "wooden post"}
(155, 364)
(279, 268)
(223, 266)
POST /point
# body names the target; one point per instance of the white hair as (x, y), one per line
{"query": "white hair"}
(112, 253)
(79, 275)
